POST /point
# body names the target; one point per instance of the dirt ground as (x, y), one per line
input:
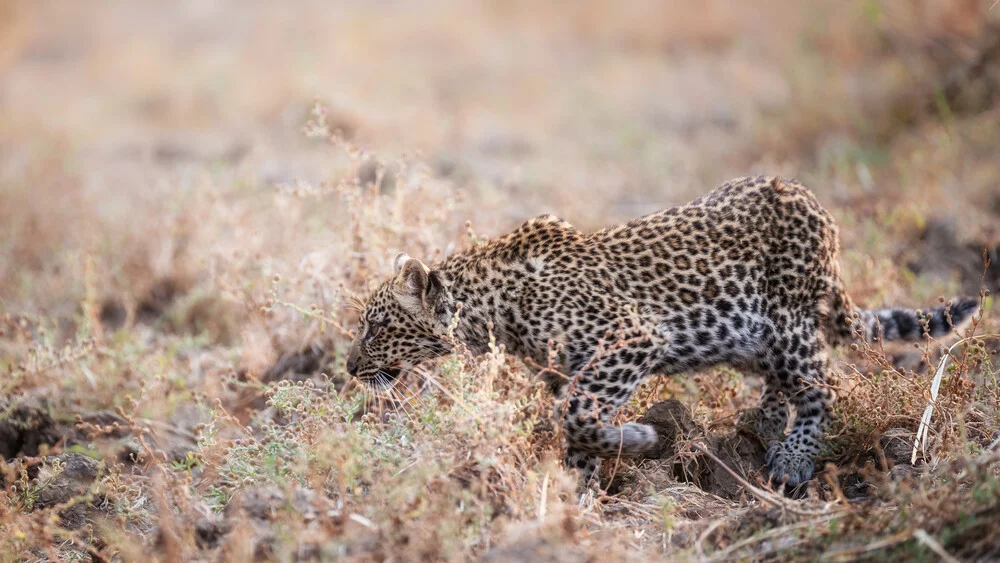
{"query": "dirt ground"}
(192, 193)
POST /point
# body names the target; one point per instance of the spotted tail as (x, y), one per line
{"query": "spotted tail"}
(898, 323)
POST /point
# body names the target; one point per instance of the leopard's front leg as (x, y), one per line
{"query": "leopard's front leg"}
(799, 371)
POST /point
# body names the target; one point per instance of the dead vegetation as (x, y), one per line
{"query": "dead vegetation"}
(178, 259)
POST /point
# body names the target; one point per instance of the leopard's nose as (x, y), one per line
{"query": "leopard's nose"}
(352, 365)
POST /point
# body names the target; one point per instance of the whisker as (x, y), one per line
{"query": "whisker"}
(356, 303)
(400, 402)
(366, 400)
(415, 396)
(424, 382)
(379, 395)
(402, 406)
(457, 400)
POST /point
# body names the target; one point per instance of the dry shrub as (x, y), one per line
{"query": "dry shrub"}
(893, 397)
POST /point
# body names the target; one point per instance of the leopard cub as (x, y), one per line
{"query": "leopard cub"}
(746, 275)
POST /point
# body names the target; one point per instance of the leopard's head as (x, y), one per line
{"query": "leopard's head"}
(404, 322)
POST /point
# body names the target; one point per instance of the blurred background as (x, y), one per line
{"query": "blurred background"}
(162, 162)
(595, 110)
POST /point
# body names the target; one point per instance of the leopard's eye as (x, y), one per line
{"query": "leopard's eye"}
(374, 327)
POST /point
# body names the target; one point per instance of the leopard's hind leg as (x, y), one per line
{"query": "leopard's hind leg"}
(590, 400)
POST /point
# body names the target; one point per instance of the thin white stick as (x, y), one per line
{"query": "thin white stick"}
(544, 500)
(923, 431)
(926, 539)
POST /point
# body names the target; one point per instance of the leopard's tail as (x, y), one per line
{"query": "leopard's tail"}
(896, 323)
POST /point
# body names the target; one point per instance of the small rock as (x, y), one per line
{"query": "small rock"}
(855, 487)
(897, 445)
(109, 432)
(672, 421)
(742, 452)
(26, 426)
(108, 423)
(902, 471)
(209, 534)
(63, 477)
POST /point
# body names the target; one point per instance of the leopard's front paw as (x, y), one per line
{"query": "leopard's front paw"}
(790, 467)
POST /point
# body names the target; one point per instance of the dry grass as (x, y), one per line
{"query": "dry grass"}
(183, 229)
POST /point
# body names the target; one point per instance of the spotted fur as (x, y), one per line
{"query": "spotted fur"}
(746, 275)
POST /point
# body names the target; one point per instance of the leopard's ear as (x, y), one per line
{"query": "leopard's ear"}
(401, 258)
(411, 282)
(438, 297)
